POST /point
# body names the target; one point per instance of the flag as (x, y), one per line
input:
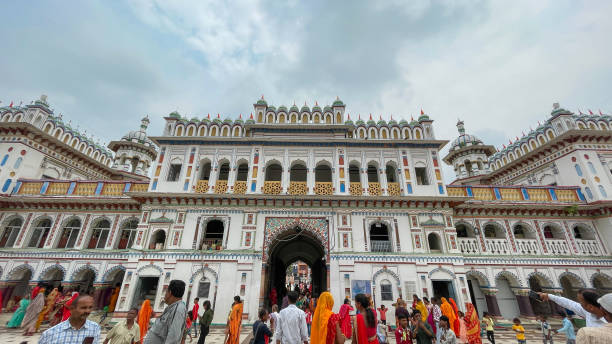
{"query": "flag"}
(600, 112)
(11, 105)
(590, 112)
(370, 117)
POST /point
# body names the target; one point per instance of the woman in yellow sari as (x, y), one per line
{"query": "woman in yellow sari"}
(49, 303)
(420, 306)
(234, 322)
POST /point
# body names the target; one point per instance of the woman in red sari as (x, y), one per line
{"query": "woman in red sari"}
(473, 324)
(365, 322)
(345, 318)
(455, 326)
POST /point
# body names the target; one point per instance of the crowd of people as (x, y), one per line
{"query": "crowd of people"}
(301, 319)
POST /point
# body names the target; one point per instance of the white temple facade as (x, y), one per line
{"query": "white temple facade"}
(231, 203)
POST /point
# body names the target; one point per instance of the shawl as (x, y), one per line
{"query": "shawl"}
(66, 308)
(431, 322)
(34, 309)
(455, 325)
(345, 320)
(472, 324)
(420, 306)
(235, 321)
(113, 300)
(144, 316)
(17, 317)
(447, 310)
(318, 334)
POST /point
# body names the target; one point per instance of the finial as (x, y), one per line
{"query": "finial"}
(380, 117)
(600, 113)
(460, 127)
(316, 103)
(370, 117)
(262, 98)
(251, 116)
(208, 116)
(348, 115)
(590, 112)
(240, 116)
(422, 112)
(411, 118)
(305, 104)
(555, 106)
(218, 116)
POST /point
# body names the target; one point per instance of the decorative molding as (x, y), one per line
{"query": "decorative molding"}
(384, 270)
(82, 268)
(441, 269)
(203, 270)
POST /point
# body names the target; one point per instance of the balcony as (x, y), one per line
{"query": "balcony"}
(374, 189)
(221, 187)
(240, 187)
(588, 247)
(393, 189)
(380, 246)
(529, 194)
(202, 186)
(272, 188)
(498, 246)
(323, 188)
(557, 247)
(527, 246)
(211, 245)
(469, 245)
(298, 188)
(355, 189)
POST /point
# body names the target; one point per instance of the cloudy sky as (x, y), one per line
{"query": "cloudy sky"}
(498, 65)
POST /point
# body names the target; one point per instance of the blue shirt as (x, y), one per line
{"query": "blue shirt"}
(64, 333)
(568, 329)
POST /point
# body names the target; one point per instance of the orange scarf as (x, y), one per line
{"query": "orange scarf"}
(144, 316)
(321, 317)
(472, 324)
(455, 325)
(447, 310)
(235, 321)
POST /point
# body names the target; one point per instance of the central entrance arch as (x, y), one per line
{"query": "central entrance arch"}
(289, 241)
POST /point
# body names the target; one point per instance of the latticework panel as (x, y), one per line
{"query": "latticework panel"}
(456, 191)
(272, 188)
(483, 194)
(511, 194)
(374, 189)
(538, 195)
(393, 189)
(567, 195)
(240, 187)
(202, 186)
(298, 188)
(139, 187)
(28, 188)
(323, 188)
(221, 186)
(85, 189)
(355, 189)
(112, 189)
(58, 188)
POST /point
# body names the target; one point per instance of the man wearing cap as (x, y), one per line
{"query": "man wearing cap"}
(598, 335)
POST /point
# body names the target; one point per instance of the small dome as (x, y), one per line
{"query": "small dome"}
(316, 108)
(371, 122)
(381, 123)
(195, 119)
(327, 108)
(338, 102)
(403, 123)
(392, 122)
(294, 108)
(174, 114)
(271, 108)
(360, 122)
(305, 108)
(349, 122)
(217, 120)
(414, 122)
(262, 101)
(228, 120)
(282, 108)
(465, 140)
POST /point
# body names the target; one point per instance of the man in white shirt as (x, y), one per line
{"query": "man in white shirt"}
(291, 328)
(602, 334)
(587, 306)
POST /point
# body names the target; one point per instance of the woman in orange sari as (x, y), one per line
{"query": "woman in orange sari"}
(113, 299)
(49, 303)
(447, 310)
(325, 323)
(473, 324)
(144, 316)
(235, 321)
(365, 322)
(455, 326)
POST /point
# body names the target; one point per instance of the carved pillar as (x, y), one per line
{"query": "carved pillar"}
(491, 299)
(522, 297)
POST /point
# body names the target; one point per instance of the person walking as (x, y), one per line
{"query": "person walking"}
(32, 312)
(261, 332)
(567, 329)
(234, 322)
(489, 323)
(144, 317)
(205, 321)
(196, 317)
(169, 328)
(291, 327)
(125, 332)
(77, 329)
(17, 317)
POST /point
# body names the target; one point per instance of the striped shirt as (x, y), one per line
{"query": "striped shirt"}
(66, 334)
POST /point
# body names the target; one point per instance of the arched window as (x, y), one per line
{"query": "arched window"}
(260, 117)
(379, 238)
(304, 118)
(328, 119)
(236, 132)
(578, 170)
(69, 235)
(99, 235)
(434, 243)
(204, 288)
(224, 171)
(583, 233)
(179, 131)
(298, 173)
(281, 118)
(323, 173)
(591, 167)
(128, 233)
(190, 131)
(386, 290)
(270, 118)
(10, 233)
(602, 191)
(213, 131)
(354, 174)
(40, 234)
(225, 132)
(372, 174)
(213, 235)
(274, 172)
(391, 174)
(519, 231)
(493, 231)
(338, 118)
(205, 170)
(158, 240)
(243, 172)
(588, 192)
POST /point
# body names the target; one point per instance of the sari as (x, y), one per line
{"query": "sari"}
(32, 312)
(318, 334)
(345, 320)
(144, 317)
(66, 307)
(235, 320)
(420, 306)
(17, 317)
(448, 311)
(361, 332)
(472, 324)
(455, 325)
(49, 304)
(113, 300)
(431, 322)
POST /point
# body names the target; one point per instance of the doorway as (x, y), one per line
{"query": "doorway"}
(146, 290)
(443, 289)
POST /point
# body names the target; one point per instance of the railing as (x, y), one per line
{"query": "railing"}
(272, 187)
(323, 188)
(531, 194)
(557, 247)
(589, 247)
(201, 186)
(240, 187)
(393, 189)
(221, 187)
(374, 189)
(527, 246)
(298, 188)
(355, 189)
(380, 246)
(78, 188)
(468, 245)
(497, 246)
(211, 245)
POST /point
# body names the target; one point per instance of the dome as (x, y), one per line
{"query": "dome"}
(464, 139)
(174, 114)
(271, 108)
(227, 120)
(349, 122)
(139, 136)
(282, 108)
(403, 123)
(327, 108)
(294, 108)
(316, 108)
(338, 102)
(195, 120)
(305, 108)
(382, 123)
(262, 101)
(360, 122)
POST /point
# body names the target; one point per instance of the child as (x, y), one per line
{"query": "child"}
(462, 335)
(383, 314)
(520, 331)
(489, 323)
(546, 330)
(568, 329)
(381, 332)
(402, 333)
(188, 323)
(308, 318)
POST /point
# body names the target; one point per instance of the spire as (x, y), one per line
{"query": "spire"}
(380, 117)
(144, 124)
(251, 116)
(370, 117)
(240, 116)
(208, 116)
(590, 112)
(218, 116)
(348, 115)
(580, 112)
(460, 127)
(262, 98)
(601, 114)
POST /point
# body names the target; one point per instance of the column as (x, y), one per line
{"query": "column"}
(383, 181)
(363, 177)
(231, 178)
(522, 297)
(310, 175)
(285, 173)
(491, 299)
